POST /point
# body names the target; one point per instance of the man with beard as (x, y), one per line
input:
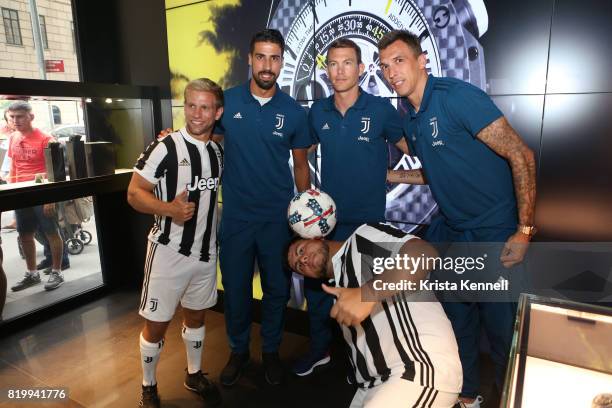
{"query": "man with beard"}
(177, 180)
(482, 176)
(353, 124)
(261, 127)
(401, 344)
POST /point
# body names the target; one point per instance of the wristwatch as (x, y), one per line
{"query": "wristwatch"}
(448, 30)
(529, 230)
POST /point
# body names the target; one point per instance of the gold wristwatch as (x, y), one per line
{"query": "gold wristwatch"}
(529, 230)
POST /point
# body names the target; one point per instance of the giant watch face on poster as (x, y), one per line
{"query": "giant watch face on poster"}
(448, 31)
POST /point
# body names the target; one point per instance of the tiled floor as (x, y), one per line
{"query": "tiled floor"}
(93, 352)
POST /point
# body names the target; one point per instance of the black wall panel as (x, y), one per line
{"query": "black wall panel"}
(524, 113)
(575, 188)
(581, 47)
(123, 42)
(516, 46)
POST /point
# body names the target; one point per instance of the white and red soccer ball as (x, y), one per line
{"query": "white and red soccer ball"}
(312, 214)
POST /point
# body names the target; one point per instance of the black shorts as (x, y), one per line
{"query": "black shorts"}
(31, 219)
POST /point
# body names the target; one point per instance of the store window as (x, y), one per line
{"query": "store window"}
(54, 225)
(64, 233)
(12, 29)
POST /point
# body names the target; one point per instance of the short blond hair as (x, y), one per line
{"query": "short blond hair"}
(205, 85)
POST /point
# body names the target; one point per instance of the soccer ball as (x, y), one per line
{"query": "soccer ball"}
(312, 214)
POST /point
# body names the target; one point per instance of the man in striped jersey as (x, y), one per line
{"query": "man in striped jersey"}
(177, 180)
(402, 346)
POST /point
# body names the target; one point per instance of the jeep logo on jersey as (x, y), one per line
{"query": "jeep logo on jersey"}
(280, 121)
(434, 125)
(211, 183)
(366, 125)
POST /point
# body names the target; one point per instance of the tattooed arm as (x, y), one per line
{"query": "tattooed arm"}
(405, 176)
(503, 140)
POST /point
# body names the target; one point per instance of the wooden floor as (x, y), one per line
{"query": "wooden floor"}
(93, 352)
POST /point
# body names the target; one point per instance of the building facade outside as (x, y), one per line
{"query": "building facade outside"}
(17, 47)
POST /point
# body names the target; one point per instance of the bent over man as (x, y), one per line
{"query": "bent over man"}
(403, 352)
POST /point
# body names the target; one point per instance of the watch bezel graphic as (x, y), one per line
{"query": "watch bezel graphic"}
(448, 29)
(451, 26)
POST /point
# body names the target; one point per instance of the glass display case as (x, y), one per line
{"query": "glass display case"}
(561, 355)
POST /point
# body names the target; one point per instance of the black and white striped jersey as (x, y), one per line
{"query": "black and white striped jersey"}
(413, 340)
(180, 162)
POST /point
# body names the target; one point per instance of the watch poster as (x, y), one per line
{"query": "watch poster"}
(499, 46)
(211, 39)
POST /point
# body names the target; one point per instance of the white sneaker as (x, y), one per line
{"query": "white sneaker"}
(474, 404)
(55, 280)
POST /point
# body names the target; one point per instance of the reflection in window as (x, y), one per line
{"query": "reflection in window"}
(50, 253)
(12, 29)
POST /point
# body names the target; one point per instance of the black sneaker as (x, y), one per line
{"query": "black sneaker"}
(44, 264)
(201, 385)
(307, 364)
(274, 371)
(27, 281)
(149, 397)
(233, 369)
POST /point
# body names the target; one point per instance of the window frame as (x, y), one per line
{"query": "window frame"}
(9, 27)
(42, 23)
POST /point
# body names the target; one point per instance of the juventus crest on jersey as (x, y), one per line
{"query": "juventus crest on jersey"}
(180, 162)
(401, 337)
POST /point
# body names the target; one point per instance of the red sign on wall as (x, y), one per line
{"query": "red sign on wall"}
(54, 65)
